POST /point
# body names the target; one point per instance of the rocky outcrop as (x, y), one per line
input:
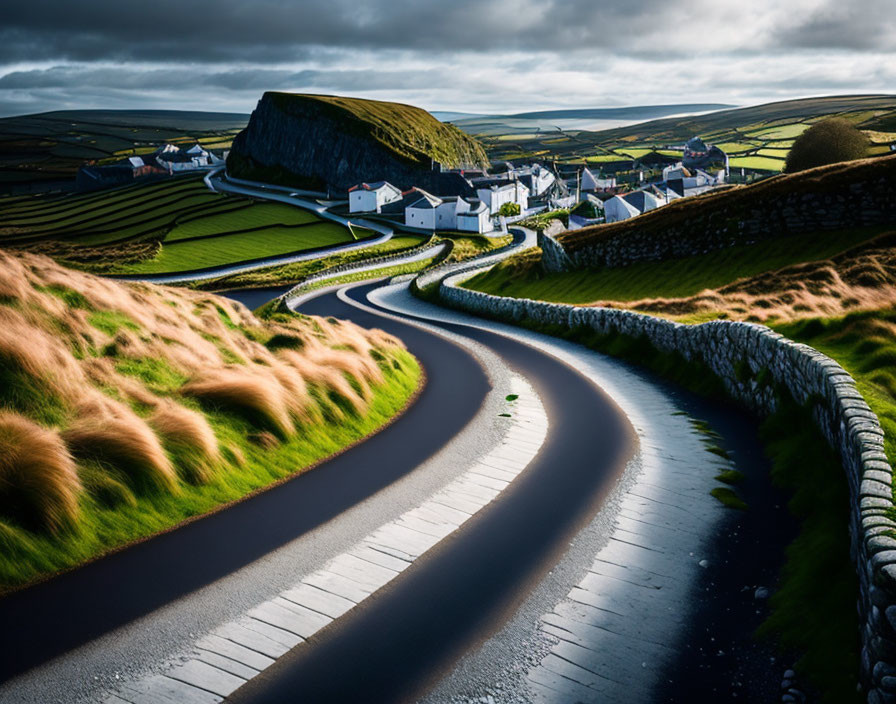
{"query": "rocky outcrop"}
(312, 141)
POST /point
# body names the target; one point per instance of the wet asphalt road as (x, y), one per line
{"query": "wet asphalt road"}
(402, 639)
(56, 616)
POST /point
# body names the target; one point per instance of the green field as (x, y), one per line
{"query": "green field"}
(260, 215)
(760, 163)
(739, 132)
(225, 249)
(115, 231)
(675, 278)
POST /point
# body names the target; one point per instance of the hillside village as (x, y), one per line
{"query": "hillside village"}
(481, 201)
(167, 160)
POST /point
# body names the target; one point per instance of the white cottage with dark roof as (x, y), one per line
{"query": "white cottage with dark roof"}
(371, 197)
(421, 212)
(476, 219)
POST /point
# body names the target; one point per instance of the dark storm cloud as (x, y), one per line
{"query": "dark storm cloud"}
(484, 55)
(869, 25)
(276, 30)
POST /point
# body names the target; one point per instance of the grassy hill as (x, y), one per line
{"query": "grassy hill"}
(756, 138)
(406, 129)
(126, 409)
(320, 141)
(170, 225)
(51, 146)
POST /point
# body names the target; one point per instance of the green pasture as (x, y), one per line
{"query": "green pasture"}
(759, 163)
(228, 249)
(258, 215)
(674, 278)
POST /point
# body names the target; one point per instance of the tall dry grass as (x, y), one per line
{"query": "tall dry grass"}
(188, 436)
(109, 359)
(109, 432)
(39, 484)
(861, 278)
(258, 397)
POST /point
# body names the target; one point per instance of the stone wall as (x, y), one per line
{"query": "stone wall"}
(395, 258)
(844, 196)
(751, 360)
(553, 257)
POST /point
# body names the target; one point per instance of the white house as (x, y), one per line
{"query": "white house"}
(496, 192)
(371, 197)
(175, 159)
(422, 212)
(476, 219)
(590, 182)
(448, 212)
(536, 178)
(631, 204)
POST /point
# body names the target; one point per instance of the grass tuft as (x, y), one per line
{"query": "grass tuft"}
(39, 485)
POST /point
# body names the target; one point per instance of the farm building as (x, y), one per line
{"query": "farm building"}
(174, 159)
(371, 197)
(590, 182)
(422, 211)
(536, 178)
(476, 219)
(698, 154)
(632, 204)
(495, 192)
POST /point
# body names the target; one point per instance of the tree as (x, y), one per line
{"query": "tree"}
(827, 142)
(509, 209)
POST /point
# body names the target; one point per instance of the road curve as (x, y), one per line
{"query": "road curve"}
(56, 616)
(399, 641)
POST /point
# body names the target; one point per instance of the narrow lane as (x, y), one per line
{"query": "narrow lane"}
(58, 615)
(398, 642)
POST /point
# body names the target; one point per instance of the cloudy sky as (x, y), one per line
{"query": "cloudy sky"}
(465, 55)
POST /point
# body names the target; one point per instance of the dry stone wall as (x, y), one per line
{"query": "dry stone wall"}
(751, 360)
(689, 227)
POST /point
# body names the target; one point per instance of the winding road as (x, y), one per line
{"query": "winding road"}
(537, 552)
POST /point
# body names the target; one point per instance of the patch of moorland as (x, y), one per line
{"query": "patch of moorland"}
(522, 276)
(127, 408)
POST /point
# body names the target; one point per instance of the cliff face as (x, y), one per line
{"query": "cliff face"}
(315, 141)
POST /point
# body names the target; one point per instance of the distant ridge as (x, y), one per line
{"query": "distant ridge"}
(633, 112)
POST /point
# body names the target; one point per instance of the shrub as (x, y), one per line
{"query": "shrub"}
(509, 209)
(39, 484)
(827, 142)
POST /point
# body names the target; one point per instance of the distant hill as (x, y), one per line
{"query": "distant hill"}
(318, 140)
(571, 119)
(50, 146)
(681, 128)
(633, 112)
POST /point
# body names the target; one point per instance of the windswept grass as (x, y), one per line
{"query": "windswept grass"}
(522, 277)
(38, 479)
(127, 408)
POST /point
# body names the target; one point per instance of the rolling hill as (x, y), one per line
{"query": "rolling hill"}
(51, 146)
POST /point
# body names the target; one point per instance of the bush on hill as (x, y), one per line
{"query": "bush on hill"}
(828, 142)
